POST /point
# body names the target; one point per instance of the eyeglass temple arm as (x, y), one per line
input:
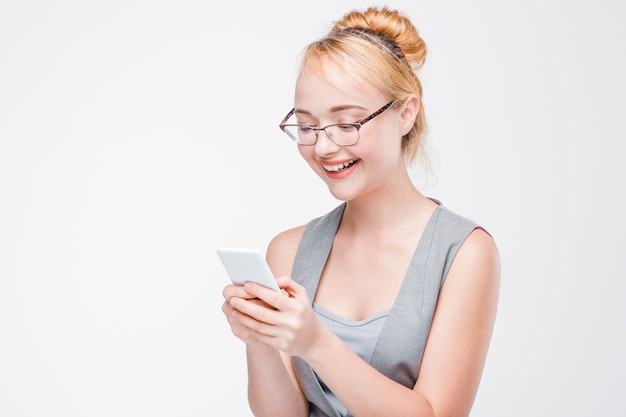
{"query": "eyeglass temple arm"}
(282, 124)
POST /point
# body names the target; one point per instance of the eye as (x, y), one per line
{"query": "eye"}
(346, 127)
(305, 129)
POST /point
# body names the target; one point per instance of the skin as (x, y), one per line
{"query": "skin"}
(382, 224)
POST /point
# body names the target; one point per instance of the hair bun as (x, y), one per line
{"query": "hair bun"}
(392, 24)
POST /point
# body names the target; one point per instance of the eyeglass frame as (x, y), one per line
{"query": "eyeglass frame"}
(358, 124)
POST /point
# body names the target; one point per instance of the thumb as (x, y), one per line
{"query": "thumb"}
(290, 287)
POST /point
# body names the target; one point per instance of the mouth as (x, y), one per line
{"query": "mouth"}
(340, 167)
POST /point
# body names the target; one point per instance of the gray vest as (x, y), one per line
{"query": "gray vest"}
(400, 347)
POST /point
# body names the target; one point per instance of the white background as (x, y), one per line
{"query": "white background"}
(138, 136)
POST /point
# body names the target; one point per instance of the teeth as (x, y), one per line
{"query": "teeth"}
(339, 167)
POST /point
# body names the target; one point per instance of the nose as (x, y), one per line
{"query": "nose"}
(324, 146)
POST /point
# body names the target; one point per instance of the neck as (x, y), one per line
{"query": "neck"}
(387, 209)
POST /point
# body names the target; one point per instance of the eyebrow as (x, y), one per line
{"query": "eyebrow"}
(334, 109)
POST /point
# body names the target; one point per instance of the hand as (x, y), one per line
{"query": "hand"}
(238, 291)
(284, 321)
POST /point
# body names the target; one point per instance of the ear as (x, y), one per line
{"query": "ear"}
(408, 113)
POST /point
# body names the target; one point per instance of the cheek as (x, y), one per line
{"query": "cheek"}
(304, 151)
(307, 153)
(383, 149)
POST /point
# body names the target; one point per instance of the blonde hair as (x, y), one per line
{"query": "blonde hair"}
(384, 48)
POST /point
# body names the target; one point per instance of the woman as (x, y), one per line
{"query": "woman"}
(388, 302)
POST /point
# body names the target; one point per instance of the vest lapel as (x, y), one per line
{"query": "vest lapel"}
(404, 333)
(310, 261)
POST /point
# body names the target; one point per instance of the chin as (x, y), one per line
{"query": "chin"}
(342, 194)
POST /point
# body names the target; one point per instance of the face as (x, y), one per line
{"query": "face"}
(372, 165)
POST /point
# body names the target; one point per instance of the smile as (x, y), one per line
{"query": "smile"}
(340, 167)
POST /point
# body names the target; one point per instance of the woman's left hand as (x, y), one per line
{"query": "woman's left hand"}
(287, 322)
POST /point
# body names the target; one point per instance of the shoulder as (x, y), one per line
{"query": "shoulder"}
(282, 249)
(479, 247)
(472, 254)
(476, 264)
(479, 243)
(453, 223)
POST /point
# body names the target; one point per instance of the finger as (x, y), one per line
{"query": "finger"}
(283, 281)
(236, 291)
(254, 328)
(242, 332)
(249, 336)
(238, 329)
(260, 302)
(232, 316)
(283, 300)
(255, 310)
(247, 327)
(261, 292)
(292, 288)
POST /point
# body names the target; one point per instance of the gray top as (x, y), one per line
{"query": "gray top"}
(400, 346)
(361, 336)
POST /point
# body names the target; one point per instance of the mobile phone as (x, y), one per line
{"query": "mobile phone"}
(243, 265)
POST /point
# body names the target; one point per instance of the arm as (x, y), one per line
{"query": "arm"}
(271, 390)
(453, 358)
(462, 326)
(272, 387)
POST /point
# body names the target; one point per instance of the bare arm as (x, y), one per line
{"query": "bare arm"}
(272, 387)
(462, 326)
(271, 391)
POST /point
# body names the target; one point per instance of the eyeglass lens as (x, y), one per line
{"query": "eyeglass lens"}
(343, 134)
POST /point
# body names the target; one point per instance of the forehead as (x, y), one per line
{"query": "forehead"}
(327, 85)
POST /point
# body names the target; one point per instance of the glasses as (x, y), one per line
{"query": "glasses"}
(342, 134)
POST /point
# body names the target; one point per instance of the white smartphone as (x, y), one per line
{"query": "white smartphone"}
(245, 265)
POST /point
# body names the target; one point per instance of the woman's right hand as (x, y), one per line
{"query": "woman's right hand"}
(232, 315)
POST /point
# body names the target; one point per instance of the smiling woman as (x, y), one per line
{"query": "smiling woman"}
(388, 301)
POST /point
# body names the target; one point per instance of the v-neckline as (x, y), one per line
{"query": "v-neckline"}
(329, 244)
